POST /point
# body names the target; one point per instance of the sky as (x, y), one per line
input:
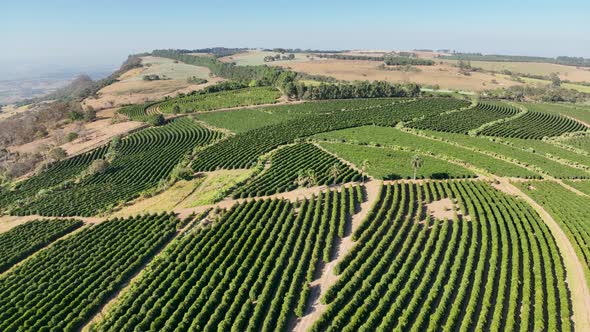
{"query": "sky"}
(97, 35)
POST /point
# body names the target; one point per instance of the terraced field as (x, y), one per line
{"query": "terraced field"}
(464, 121)
(297, 161)
(248, 272)
(535, 125)
(242, 150)
(143, 160)
(202, 102)
(495, 266)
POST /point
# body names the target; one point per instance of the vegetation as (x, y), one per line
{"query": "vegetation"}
(562, 60)
(534, 125)
(64, 286)
(248, 272)
(295, 166)
(394, 138)
(467, 120)
(390, 60)
(143, 161)
(567, 208)
(391, 164)
(25, 239)
(224, 99)
(244, 120)
(526, 157)
(242, 150)
(583, 186)
(495, 266)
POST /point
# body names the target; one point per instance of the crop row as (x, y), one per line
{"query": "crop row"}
(62, 287)
(143, 160)
(243, 149)
(53, 176)
(534, 125)
(464, 121)
(25, 239)
(248, 272)
(495, 266)
(203, 102)
(301, 164)
(569, 209)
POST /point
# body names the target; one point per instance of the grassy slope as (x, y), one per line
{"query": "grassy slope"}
(393, 137)
(553, 168)
(386, 163)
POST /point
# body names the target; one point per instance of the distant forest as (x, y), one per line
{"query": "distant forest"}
(561, 60)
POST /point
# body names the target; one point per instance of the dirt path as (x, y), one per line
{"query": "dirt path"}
(328, 277)
(575, 278)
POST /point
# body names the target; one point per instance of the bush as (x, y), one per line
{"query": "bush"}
(155, 120)
(71, 136)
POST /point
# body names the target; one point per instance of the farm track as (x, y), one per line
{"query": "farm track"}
(319, 286)
(575, 277)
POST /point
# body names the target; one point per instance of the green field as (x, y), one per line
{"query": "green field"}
(390, 164)
(396, 138)
(577, 112)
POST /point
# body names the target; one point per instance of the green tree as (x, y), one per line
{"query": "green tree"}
(555, 80)
(176, 109)
(312, 178)
(364, 167)
(416, 164)
(335, 171)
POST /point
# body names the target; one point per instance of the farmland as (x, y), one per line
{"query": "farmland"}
(104, 256)
(248, 272)
(401, 266)
(226, 212)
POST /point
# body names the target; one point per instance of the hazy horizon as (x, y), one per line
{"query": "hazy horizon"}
(75, 35)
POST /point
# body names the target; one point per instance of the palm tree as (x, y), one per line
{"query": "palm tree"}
(312, 179)
(301, 178)
(364, 166)
(335, 171)
(416, 163)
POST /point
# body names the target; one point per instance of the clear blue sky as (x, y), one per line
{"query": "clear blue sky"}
(101, 33)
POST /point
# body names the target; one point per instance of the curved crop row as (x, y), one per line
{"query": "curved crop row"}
(143, 160)
(217, 100)
(295, 161)
(494, 267)
(464, 121)
(243, 149)
(248, 272)
(569, 209)
(25, 239)
(62, 287)
(534, 125)
(53, 176)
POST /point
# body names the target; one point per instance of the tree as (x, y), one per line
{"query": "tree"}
(175, 109)
(312, 178)
(56, 154)
(89, 114)
(156, 120)
(98, 166)
(301, 178)
(113, 151)
(416, 163)
(555, 80)
(364, 166)
(335, 171)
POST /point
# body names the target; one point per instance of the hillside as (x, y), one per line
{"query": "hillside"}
(269, 199)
